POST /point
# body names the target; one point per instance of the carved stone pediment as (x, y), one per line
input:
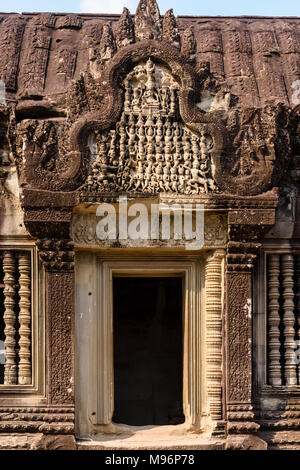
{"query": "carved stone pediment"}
(150, 149)
(144, 132)
(145, 101)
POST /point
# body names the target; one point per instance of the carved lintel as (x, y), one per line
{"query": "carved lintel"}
(83, 232)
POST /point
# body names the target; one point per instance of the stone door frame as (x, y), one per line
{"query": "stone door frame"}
(100, 395)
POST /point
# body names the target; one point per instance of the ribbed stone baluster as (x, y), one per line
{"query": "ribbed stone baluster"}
(289, 319)
(213, 307)
(10, 368)
(297, 287)
(274, 320)
(24, 376)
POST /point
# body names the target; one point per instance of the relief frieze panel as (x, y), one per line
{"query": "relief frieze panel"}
(150, 150)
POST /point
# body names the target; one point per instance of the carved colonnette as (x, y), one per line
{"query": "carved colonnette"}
(274, 320)
(214, 328)
(16, 307)
(277, 383)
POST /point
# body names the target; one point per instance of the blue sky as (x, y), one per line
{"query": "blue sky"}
(192, 7)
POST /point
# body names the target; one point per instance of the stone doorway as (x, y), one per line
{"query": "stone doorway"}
(148, 350)
(96, 380)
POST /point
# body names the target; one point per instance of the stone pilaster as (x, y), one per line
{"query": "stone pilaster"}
(57, 257)
(245, 230)
(56, 253)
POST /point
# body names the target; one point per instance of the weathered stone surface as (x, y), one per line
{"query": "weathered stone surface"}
(177, 445)
(245, 443)
(18, 441)
(282, 440)
(259, 55)
(11, 34)
(125, 29)
(170, 31)
(189, 45)
(54, 443)
(107, 46)
(36, 442)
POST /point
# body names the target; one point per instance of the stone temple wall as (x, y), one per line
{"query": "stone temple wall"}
(187, 110)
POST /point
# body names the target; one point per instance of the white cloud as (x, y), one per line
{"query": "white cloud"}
(104, 6)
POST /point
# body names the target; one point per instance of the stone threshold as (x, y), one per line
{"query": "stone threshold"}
(162, 445)
(151, 438)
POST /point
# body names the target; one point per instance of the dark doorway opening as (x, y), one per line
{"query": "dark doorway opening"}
(148, 358)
